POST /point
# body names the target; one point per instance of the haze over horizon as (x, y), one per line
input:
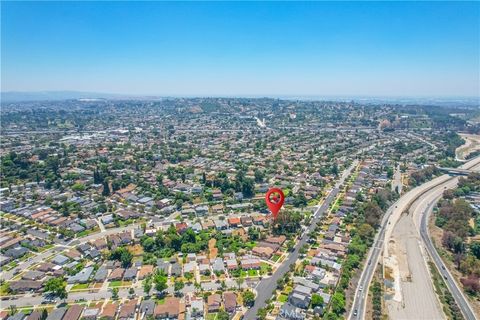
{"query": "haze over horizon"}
(243, 49)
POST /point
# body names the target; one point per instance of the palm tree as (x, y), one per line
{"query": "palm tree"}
(12, 310)
(239, 281)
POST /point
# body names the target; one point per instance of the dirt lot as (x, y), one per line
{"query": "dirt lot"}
(418, 300)
(472, 144)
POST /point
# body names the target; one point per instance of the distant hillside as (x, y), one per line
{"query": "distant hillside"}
(15, 96)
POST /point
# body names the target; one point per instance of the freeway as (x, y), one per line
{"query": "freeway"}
(457, 293)
(359, 302)
(386, 227)
(389, 220)
(267, 286)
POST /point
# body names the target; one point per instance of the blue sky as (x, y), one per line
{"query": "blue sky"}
(249, 48)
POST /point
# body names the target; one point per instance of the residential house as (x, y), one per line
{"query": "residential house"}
(214, 302)
(172, 308)
(230, 301)
(74, 312)
(127, 310)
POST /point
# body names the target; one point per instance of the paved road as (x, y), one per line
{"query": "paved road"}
(8, 275)
(267, 286)
(361, 293)
(386, 227)
(457, 293)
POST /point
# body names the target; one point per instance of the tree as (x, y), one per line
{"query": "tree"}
(131, 291)
(366, 232)
(475, 248)
(56, 286)
(148, 244)
(178, 285)
(335, 169)
(389, 172)
(248, 188)
(248, 298)
(338, 303)
(373, 213)
(262, 313)
(300, 200)
(44, 314)
(147, 285)
(106, 189)
(317, 300)
(259, 175)
(239, 281)
(123, 255)
(115, 293)
(471, 284)
(12, 310)
(78, 187)
(160, 280)
(222, 315)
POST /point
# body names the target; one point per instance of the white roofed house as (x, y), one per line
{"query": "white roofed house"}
(218, 265)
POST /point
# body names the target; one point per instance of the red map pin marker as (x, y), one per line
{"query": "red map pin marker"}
(274, 199)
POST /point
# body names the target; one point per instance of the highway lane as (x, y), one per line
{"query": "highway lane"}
(452, 285)
(267, 286)
(386, 227)
(359, 302)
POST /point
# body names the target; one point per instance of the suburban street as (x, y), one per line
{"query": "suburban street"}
(8, 275)
(267, 286)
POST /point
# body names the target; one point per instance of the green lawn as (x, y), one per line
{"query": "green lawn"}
(211, 316)
(80, 286)
(114, 284)
(160, 301)
(27, 310)
(4, 289)
(252, 273)
(250, 245)
(275, 257)
(45, 248)
(10, 266)
(264, 268)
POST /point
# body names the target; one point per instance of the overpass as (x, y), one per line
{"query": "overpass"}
(455, 171)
